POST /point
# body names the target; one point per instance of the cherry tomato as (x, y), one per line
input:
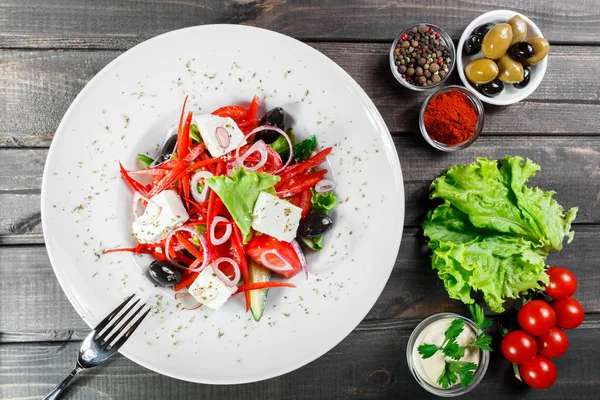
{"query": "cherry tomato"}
(536, 317)
(569, 313)
(539, 373)
(562, 283)
(259, 245)
(553, 343)
(518, 347)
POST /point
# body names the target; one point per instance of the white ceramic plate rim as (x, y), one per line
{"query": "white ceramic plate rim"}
(503, 99)
(388, 260)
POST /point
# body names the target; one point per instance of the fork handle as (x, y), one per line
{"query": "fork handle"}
(59, 388)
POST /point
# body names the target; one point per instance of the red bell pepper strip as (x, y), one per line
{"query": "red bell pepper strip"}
(298, 169)
(201, 164)
(181, 120)
(299, 180)
(310, 181)
(253, 108)
(155, 171)
(137, 249)
(262, 285)
(135, 185)
(183, 141)
(178, 172)
(189, 246)
(237, 113)
(187, 279)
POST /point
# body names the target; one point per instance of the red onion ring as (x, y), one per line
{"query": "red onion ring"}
(324, 185)
(226, 235)
(281, 132)
(136, 199)
(187, 301)
(273, 267)
(199, 197)
(202, 241)
(301, 257)
(236, 277)
(259, 147)
(222, 135)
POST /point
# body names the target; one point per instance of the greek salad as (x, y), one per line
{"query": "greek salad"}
(231, 201)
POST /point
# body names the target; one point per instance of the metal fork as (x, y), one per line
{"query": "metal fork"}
(98, 346)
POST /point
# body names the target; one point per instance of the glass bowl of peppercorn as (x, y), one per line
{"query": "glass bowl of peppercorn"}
(452, 118)
(422, 57)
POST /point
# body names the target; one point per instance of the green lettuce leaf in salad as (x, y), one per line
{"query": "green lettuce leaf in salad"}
(281, 145)
(239, 193)
(195, 133)
(144, 159)
(493, 233)
(322, 203)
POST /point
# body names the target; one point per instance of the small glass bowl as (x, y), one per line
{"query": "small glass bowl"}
(478, 127)
(456, 390)
(449, 44)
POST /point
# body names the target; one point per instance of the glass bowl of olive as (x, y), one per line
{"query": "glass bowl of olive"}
(502, 57)
(422, 57)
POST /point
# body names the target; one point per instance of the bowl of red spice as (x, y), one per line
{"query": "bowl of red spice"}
(451, 118)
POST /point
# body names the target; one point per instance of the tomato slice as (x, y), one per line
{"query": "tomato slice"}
(236, 113)
(263, 243)
(302, 200)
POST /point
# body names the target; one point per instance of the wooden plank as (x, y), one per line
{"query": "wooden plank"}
(368, 364)
(102, 24)
(413, 291)
(37, 87)
(20, 181)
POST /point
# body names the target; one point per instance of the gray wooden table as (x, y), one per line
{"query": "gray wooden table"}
(50, 49)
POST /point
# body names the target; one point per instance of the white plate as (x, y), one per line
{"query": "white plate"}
(127, 109)
(510, 95)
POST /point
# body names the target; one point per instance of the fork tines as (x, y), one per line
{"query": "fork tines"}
(103, 337)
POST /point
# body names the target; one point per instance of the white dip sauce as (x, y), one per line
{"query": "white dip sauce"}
(431, 368)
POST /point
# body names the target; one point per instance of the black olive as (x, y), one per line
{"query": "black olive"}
(481, 30)
(493, 89)
(472, 45)
(167, 149)
(276, 117)
(164, 273)
(315, 225)
(477, 86)
(521, 51)
(525, 81)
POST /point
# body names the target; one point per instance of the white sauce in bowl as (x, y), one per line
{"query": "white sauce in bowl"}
(431, 368)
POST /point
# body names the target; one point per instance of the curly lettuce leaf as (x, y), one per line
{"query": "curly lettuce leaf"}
(493, 233)
(538, 208)
(239, 193)
(322, 203)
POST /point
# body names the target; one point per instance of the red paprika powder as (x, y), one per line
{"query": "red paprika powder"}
(450, 118)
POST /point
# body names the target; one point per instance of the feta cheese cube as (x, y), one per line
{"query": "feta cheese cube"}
(276, 217)
(171, 213)
(207, 125)
(209, 290)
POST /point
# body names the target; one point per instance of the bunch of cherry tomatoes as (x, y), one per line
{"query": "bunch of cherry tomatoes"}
(542, 336)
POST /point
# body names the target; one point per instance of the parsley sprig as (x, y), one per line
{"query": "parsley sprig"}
(454, 369)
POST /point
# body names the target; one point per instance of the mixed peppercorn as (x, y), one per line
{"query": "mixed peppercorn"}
(421, 56)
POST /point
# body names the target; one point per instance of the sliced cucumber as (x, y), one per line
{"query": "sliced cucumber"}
(258, 297)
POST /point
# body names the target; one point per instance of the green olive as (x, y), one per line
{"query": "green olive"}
(519, 28)
(497, 41)
(511, 71)
(481, 71)
(541, 47)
